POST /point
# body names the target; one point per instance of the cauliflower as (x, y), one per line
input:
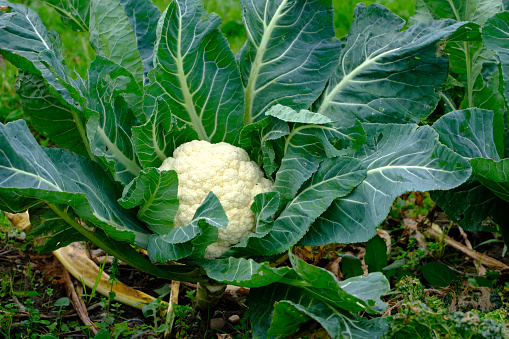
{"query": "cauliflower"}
(225, 170)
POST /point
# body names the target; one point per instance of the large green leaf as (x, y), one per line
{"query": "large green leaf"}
(111, 118)
(385, 75)
(495, 35)
(361, 293)
(50, 231)
(60, 177)
(312, 138)
(44, 109)
(196, 74)
(157, 139)
(113, 38)
(398, 158)
(289, 316)
(315, 293)
(74, 13)
(190, 240)
(143, 17)
(488, 94)
(470, 134)
(290, 54)
(155, 193)
(334, 178)
(26, 43)
(493, 174)
(470, 204)
(242, 272)
(477, 11)
(471, 63)
(23, 38)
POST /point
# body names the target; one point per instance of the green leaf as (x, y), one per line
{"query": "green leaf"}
(49, 116)
(488, 95)
(398, 158)
(74, 13)
(310, 141)
(334, 178)
(111, 119)
(51, 232)
(438, 274)
(303, 116)
(191, 240)
(196, 74)
(477, 11)
(470, 134)
(495, 34)
(242, 272)
(290, 54)
(263, 140)
(61, 177)
(113, 38)
(385, 75)
(155, 193)
(24, 39)
(355, 294)
(289, 316)
(143, 17)
(469, 205)
(261, 306)
(351, 266)
(157, 139)
(268, 305)
(265, 206)
(26, 43)
(493, 174)
(376, 254)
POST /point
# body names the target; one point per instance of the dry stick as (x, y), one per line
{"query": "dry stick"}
(481, 270)
(78, 303)
(170, 314)
(478, 257)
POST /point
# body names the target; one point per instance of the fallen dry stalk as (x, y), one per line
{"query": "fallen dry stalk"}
(476, 256)
(78, 303)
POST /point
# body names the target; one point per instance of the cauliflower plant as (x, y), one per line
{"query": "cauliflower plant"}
(225, 170)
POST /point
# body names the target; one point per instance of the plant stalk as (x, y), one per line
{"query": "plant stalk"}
(209, 293)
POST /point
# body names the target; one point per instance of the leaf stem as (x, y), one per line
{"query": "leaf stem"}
(130, 256)
(83, 134)
(470, 83)
(448, 101)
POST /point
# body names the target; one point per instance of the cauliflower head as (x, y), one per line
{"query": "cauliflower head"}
(225, 170)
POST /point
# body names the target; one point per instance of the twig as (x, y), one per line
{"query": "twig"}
(478, 257)
(78, 303)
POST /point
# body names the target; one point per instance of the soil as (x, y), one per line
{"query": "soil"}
(28, 271)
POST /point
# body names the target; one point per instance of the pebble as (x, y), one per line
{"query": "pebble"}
(217, 323)
(234, 319)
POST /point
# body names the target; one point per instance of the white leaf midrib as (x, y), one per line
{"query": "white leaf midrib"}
(255, 68)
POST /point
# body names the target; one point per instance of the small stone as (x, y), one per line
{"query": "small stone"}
(217, 323)
(234, 319)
